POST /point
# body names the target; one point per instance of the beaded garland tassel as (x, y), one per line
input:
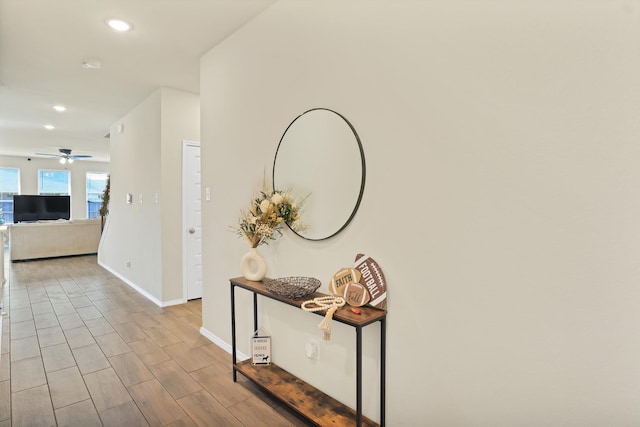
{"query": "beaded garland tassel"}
(330, 303)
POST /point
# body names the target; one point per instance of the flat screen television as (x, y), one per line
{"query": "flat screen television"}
(36, 208)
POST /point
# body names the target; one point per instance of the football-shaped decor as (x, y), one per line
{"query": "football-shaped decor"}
(342, 278)
(355, 294)
(371, 277)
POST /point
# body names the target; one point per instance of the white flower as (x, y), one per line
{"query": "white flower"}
(264, 205)
(277, 198)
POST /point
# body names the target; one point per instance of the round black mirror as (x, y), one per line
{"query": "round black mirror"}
(320, 158)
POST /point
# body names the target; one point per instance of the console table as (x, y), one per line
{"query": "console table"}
(309, 402)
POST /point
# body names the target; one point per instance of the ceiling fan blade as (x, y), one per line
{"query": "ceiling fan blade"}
(65, 153)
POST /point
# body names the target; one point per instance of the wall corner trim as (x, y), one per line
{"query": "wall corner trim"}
(141, 291)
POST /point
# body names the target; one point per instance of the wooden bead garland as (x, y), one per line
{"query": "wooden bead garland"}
(330, 303)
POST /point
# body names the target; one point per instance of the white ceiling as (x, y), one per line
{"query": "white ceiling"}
(43, 44)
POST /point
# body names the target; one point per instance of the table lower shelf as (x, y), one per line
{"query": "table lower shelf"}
(306, 400)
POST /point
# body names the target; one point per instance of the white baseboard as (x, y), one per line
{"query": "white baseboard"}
(204, 332)
(221, 343)
(174, 302)
(141, 291)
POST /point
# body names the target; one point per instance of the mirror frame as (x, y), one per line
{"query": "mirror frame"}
(362, 163)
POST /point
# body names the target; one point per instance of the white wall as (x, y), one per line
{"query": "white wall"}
(78, 173)
(131, 243)
(501, 199)
(140, 236)
(180, 120)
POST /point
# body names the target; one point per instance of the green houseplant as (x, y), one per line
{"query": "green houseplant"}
(104, 208)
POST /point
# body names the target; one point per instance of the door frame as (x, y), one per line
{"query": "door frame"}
(185, 226)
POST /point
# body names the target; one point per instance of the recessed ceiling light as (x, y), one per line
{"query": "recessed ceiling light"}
(49, 127)
(119, 25)
(59, 108)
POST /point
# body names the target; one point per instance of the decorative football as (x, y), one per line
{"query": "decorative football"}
(356, 295)
(372, 278)
(342, 278)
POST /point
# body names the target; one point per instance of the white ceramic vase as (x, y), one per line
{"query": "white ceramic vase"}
(254, 266)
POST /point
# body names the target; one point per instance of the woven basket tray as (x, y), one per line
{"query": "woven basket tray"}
(292, 287)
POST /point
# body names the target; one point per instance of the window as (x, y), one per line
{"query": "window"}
(96, 182)
(9, 185)
(53, 183)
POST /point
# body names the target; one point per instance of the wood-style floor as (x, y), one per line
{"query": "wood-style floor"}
(81, 348)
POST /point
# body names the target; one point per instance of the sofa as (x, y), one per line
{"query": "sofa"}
(48, 239)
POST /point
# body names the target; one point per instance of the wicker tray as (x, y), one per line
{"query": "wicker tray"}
(292, 287)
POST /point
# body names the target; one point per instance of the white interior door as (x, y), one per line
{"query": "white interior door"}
(192, 208)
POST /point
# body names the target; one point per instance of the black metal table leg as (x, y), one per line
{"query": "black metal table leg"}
(383, 369)
(255, 312)
(233, 331)
(358, 376)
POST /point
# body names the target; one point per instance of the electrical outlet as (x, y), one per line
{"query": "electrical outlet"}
(312, 350)
(128, 263)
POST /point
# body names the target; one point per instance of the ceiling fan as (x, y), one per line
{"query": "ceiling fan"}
(66, 156)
